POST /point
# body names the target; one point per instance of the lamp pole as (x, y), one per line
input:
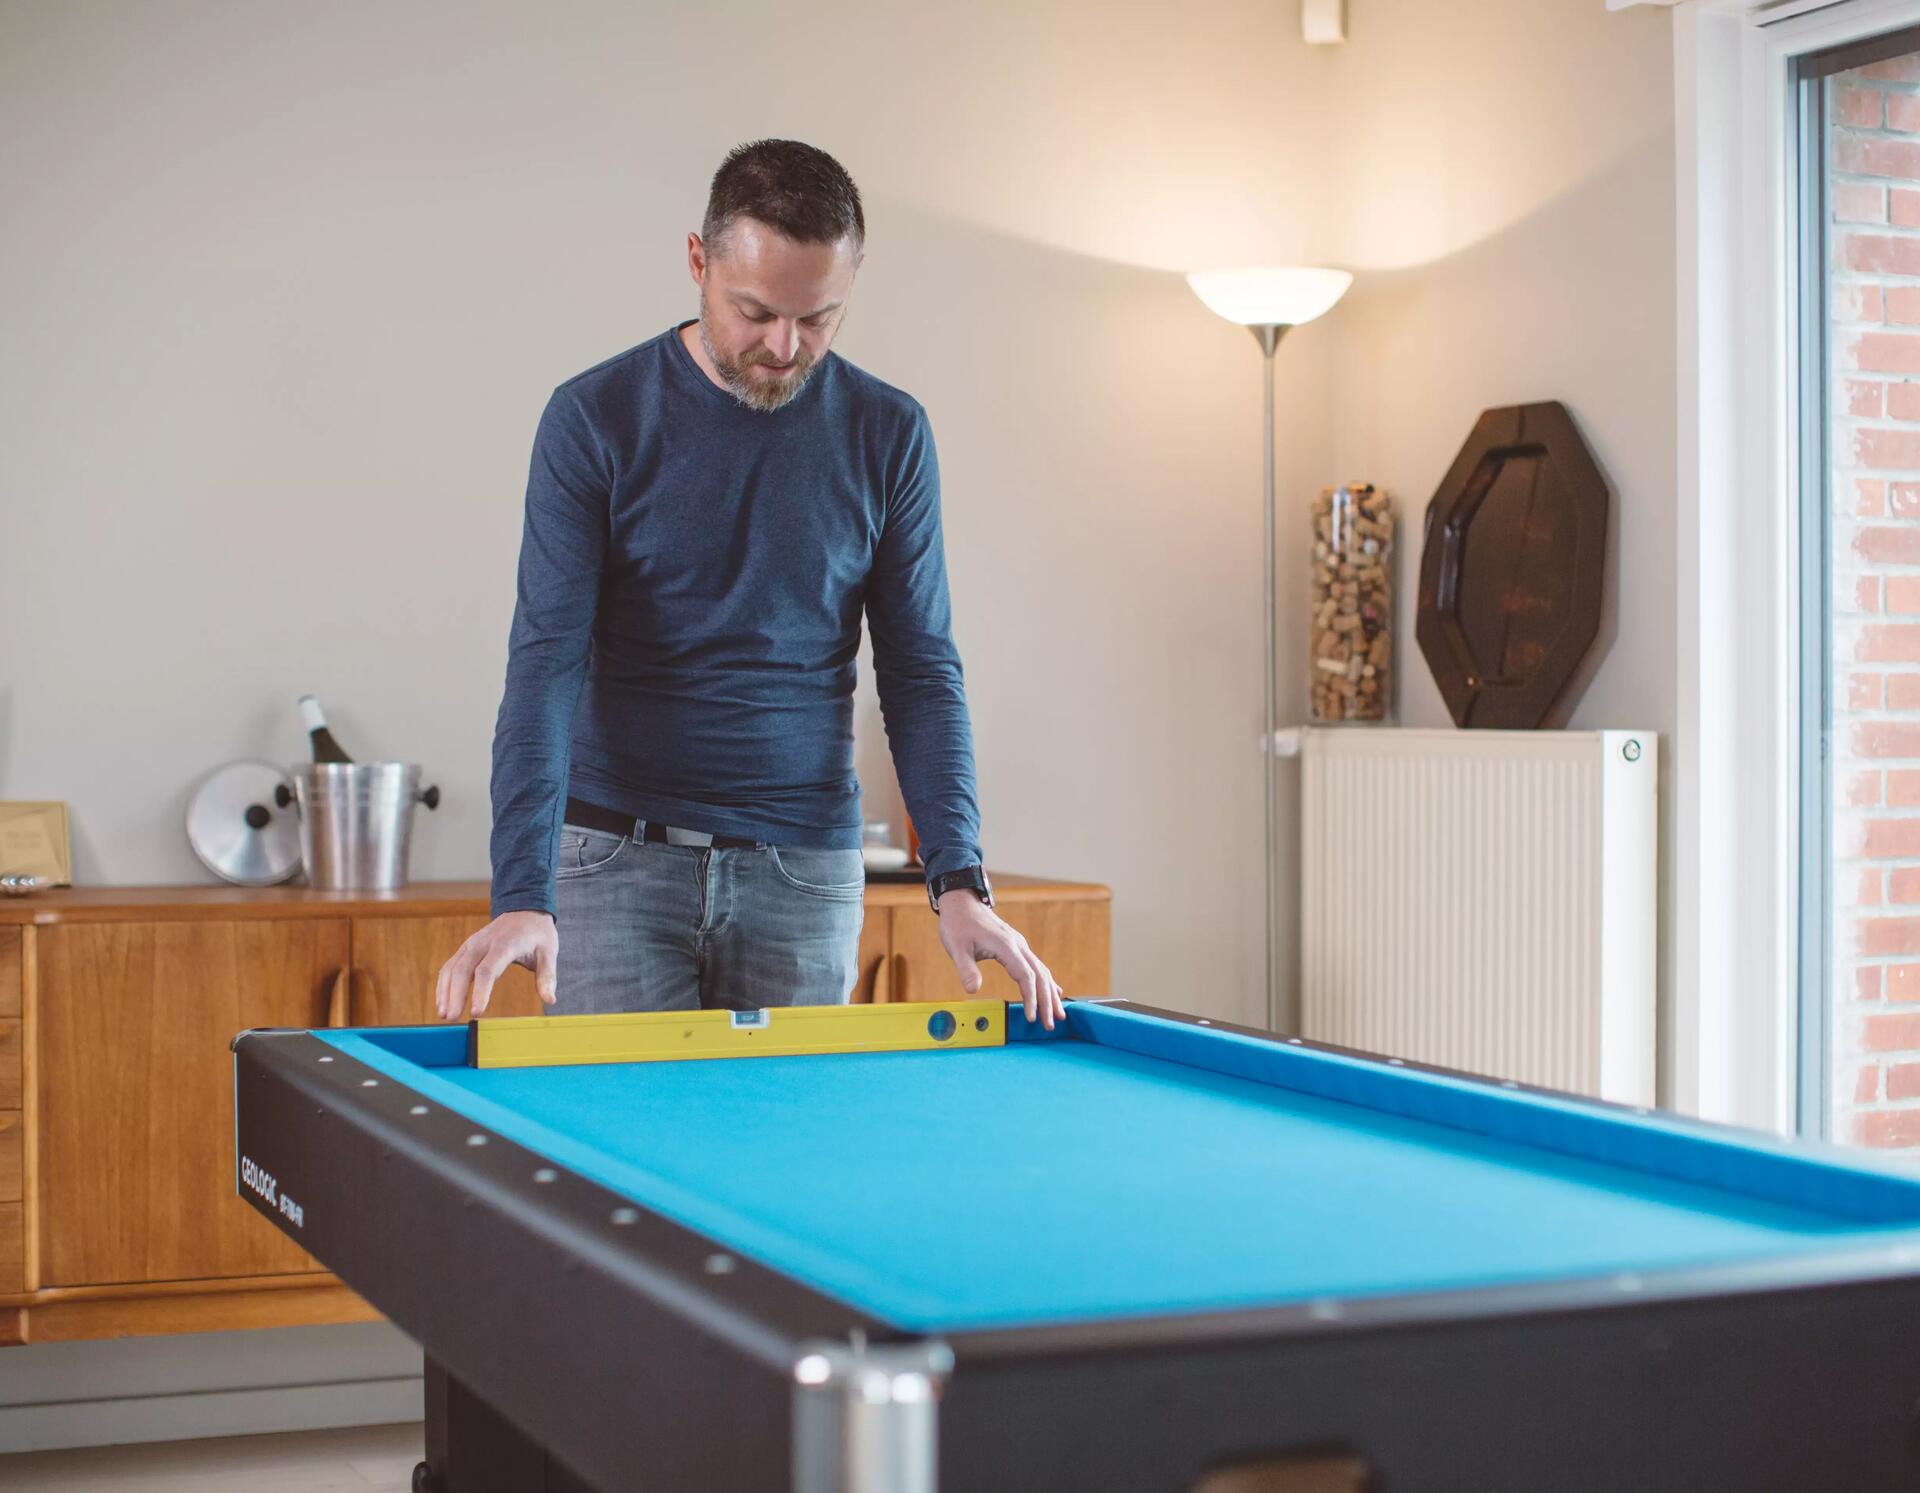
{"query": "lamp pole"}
(1269, 301)
(1268, 335)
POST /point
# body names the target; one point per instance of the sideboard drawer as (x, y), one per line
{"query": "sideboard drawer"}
(9, 1065)
(11, 970)
(13, 1247)
(10, 1154)
(133, 1086)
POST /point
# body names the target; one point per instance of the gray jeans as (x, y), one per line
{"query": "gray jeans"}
(674, 928)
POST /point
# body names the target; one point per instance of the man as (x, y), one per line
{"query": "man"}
(675, 815)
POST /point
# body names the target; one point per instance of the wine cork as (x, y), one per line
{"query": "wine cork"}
(1350, 604)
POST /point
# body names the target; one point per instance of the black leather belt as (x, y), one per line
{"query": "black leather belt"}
(609, 821)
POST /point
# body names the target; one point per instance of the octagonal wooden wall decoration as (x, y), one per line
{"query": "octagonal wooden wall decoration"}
(1513, 567)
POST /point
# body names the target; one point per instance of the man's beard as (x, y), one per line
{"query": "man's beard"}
(756, 391)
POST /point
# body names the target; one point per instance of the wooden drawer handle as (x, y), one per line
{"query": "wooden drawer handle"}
(340, 1000)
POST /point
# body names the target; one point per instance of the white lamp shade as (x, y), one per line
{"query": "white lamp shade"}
(1284, 295)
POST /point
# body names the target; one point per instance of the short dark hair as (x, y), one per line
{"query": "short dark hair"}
(803, 192)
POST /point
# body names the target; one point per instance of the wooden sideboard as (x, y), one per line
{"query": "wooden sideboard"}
(117, 1207)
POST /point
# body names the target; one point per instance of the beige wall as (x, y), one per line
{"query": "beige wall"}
(287, 286)
(1506, 200)
(1506, 204)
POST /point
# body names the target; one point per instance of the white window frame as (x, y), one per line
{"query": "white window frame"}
(1735, 1007)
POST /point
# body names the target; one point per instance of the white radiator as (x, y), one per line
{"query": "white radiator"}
(1483, 900)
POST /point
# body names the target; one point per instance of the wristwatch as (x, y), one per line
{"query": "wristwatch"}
(973, 878)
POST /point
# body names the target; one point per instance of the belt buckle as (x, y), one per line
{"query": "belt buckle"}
(698, 839)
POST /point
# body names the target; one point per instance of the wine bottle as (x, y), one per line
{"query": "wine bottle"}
(325, 748)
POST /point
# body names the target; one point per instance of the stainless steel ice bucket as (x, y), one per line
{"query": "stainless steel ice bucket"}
(356, 822)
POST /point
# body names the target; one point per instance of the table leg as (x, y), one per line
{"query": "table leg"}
(472, 1448)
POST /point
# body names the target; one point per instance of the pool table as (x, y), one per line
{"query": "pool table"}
(1140, 1251)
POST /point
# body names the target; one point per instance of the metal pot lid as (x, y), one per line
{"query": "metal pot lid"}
(240, 828)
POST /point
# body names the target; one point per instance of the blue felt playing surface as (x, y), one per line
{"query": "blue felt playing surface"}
(1068, 1179)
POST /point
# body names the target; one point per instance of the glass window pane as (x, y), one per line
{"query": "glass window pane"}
(1871, 684)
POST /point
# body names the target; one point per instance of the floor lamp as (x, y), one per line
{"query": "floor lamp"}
(1267, 302)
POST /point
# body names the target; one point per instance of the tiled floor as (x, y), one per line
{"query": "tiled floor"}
(374, 1459)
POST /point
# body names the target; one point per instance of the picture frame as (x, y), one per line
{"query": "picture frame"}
(34, 841)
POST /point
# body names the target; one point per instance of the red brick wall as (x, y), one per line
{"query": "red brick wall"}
(1875, 335)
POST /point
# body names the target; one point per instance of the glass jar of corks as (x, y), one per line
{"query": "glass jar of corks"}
(1351, 639)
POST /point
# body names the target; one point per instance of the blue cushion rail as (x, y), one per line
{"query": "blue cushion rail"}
(1851, 1185)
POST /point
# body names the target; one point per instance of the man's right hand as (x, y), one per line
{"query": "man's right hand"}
(527, 938)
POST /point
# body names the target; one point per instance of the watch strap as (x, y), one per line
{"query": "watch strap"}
(973, 878)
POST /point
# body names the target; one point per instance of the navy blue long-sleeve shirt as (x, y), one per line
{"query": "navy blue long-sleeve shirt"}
(692, 578)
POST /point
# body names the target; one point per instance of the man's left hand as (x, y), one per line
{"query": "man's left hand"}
(971, 931)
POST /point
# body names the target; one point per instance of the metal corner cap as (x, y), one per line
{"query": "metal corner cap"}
(882, 1374)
